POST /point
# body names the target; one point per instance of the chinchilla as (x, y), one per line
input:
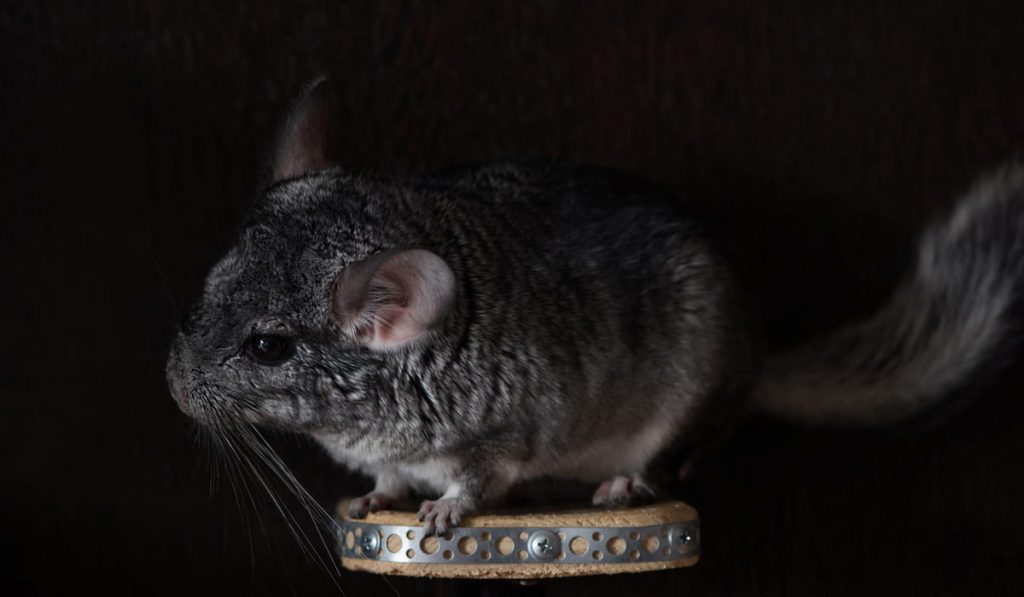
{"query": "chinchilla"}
(461, 333)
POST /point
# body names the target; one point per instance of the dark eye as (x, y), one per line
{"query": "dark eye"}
(269, 349)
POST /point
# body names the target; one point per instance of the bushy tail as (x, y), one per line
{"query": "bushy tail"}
(950, 320)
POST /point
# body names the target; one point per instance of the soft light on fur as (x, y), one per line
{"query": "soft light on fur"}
(948, 321)
(461, 333)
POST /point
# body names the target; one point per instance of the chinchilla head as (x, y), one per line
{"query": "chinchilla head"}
(300, 324)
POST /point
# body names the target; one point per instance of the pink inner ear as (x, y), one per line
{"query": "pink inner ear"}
(390, 300)
(392, 326)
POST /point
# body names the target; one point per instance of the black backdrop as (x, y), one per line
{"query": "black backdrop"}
(823, 135)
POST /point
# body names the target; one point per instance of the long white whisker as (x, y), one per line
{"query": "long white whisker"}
(246, 457)
(305, 542)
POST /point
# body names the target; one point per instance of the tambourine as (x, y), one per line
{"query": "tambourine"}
(524, 545)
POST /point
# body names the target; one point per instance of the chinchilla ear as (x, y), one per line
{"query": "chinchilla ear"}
(394, 298)
(302, 142)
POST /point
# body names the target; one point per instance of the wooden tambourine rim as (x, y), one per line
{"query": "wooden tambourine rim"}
(660, 536)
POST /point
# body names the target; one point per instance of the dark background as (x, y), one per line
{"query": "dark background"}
(823, 135)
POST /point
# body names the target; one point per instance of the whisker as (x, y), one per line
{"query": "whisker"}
(250, 461)
(270, 459)
(306, 544)
(170, 307)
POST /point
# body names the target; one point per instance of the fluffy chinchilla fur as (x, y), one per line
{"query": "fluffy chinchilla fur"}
(461, 333)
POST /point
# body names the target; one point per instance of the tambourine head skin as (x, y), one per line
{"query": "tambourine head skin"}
(524, 545)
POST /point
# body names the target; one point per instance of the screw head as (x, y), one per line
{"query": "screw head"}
(369, 544)
(544, 545)
(683, 537)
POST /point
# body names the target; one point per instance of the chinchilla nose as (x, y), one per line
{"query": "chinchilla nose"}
(174, 367)
(177, 393)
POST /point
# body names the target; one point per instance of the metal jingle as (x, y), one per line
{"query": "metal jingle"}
(370, 543)
(544, 545)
